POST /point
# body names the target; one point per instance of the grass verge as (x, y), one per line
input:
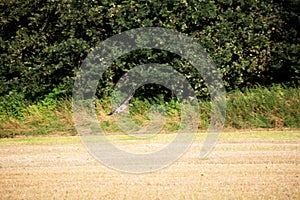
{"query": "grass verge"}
(276, 107)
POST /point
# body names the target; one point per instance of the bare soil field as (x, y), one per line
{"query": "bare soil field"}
(241, 166)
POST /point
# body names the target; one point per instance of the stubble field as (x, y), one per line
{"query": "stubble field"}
(244, 165)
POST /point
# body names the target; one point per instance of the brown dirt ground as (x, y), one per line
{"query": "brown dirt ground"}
(239, 169)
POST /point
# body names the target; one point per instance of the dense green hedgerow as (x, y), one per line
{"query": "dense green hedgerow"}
(43, 43)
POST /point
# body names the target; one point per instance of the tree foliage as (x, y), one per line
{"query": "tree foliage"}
(44, 42)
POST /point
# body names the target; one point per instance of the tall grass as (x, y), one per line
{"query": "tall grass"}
(260, 107)
(274, 107)
(48, 116)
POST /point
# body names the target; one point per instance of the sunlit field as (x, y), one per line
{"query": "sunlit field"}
(243, 165)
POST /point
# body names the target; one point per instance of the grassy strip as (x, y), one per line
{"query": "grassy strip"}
(225, 136)
(41, 140)
(260, 135)
(275, 107)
